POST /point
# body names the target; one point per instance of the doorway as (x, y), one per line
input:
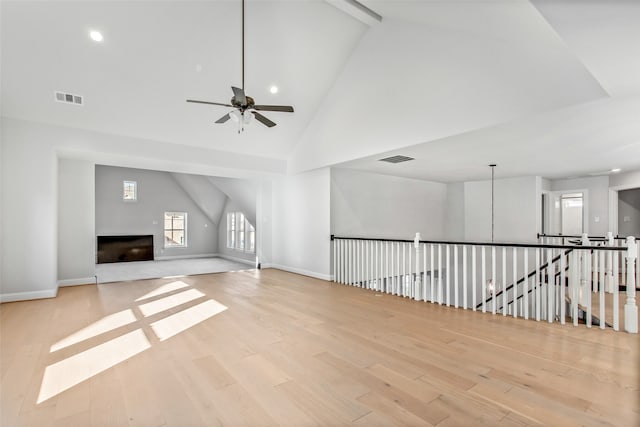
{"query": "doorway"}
(572, 214)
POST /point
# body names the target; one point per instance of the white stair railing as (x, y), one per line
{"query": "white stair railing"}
(540, 281)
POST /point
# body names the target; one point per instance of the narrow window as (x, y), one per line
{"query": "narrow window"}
(241, 223)
(251, 238)
(175, 229)
(129, 191)
(231, 230)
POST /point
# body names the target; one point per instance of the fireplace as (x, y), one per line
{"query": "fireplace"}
(125, 248)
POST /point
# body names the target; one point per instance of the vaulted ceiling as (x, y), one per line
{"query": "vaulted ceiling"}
(542, 87)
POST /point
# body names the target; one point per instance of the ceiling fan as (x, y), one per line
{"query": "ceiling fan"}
(244, 106)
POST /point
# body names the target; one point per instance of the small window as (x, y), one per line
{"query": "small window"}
(175, 229)
(129, 191)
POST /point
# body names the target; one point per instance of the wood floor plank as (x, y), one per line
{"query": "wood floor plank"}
(293, 350)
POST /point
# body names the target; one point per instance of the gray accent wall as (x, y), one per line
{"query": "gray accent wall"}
(158, 192)
(629, 212)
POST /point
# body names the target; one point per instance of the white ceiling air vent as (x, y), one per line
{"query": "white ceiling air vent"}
(396, 159)
(69, 98)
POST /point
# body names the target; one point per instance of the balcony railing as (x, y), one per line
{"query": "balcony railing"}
(575, 283)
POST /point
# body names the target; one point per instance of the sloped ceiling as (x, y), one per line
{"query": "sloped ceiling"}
(207, 196)
(456, 83)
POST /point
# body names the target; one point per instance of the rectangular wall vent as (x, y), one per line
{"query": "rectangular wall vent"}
(69, 98)
(396, 159)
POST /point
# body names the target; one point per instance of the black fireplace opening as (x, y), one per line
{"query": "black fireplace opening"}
(125, 248)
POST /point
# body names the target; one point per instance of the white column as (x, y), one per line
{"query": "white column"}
(630, 308)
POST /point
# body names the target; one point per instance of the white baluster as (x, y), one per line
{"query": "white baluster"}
(440, 274)
(600, 257)
(494, 287)
(387, 275)
(561, 298)
(474, 300)
(575, 285)
(448, 276)
(424, 274)
(464, 277)
(515, 283)
(585, 286)
(504, 281)
(418, 282)
(484, 279)
(398, 271)
(525, 292)
(455, 276)
(630, 308)
(536, 285)
(616, 291)
(404, 270)
(432, 277)
(551, 283)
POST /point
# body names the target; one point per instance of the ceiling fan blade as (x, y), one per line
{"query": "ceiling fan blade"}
(239, 95)
(223, 118)
(282, 108)
(210, 103)
(262, 119)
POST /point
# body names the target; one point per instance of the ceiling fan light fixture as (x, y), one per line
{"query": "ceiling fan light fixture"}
(235, 116)
(247, 117)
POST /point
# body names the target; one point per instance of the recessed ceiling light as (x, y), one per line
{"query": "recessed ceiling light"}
(96, 36)
(614, 170)
(273, 89)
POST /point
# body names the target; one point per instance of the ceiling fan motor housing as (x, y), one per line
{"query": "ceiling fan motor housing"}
(237, 104)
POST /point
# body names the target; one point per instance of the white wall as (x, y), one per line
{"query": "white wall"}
(76, 222)
(158, 193)
(301, 223)
(373, 205)
(629, 210)
(264, 211)
(597, 200)
(629, 179)
(455, 212)
(231, 206)
(516, 210)
(30, 213)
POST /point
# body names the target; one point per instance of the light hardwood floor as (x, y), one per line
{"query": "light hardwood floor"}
(291, 350)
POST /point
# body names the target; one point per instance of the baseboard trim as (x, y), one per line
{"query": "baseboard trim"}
(314, 274)
(241, 260)
(25, 296)
(77, 282)
(170, 257)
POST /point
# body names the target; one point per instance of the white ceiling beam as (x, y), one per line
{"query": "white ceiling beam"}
(357, 10)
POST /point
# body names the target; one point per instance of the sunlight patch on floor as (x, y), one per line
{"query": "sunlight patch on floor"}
(69, 372)
(164, 289)
(185, 319)
(154, 307)
(106, 324)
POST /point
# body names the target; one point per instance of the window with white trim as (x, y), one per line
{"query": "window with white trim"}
(175, 229)
(129, 191)
(241, 235)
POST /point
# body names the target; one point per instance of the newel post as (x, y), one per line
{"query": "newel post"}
(417, 284)
(630, 308)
